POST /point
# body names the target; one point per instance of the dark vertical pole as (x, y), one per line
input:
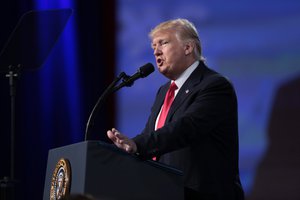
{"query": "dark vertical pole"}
(8, 184)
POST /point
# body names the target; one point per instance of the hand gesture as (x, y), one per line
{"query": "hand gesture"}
(122, 141)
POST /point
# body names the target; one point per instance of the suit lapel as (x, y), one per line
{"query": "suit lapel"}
(187, 89)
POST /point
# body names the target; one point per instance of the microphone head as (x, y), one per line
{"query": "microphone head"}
(145, 70)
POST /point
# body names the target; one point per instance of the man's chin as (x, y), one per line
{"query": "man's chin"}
(162, 70)
(166, 74)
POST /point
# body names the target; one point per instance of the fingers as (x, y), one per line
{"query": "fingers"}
(111, 135)
(118, 134)
(128, 149)
(121, 141)
(116, 137)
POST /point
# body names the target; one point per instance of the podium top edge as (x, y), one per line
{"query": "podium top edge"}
(115, 149)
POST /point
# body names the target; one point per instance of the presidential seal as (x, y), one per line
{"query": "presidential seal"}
(61, 179)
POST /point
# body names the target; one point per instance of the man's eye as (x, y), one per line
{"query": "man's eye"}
(165, 42)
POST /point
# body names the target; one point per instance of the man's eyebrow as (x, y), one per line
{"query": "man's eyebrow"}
(159, 41)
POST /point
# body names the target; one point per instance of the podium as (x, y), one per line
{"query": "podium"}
(108, 173)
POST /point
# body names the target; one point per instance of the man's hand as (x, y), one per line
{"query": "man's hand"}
(122, 141)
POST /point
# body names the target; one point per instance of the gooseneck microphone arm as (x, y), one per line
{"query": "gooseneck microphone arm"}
(126, 81)
(99, 103)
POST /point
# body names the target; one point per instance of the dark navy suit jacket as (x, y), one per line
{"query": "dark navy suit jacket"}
(200, 136)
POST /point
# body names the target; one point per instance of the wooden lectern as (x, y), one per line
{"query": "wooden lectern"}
(107, 173)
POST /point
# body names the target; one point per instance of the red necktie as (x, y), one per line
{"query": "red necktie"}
(166, 106)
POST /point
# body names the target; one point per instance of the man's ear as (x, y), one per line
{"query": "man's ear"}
(188, 48)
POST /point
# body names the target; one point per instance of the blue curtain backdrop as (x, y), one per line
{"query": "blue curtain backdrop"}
(54, 101)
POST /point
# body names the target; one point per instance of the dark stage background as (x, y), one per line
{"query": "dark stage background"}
(53, 102)
(254, 43)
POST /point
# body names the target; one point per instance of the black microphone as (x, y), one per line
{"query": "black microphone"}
(142, 72)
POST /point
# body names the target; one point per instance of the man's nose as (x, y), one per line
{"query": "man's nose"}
(157, 51)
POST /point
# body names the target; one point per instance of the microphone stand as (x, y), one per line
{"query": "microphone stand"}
(127, 81)
(15, 56)
(8, 183)
(110, 89)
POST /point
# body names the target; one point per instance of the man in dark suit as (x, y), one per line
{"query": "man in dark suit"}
(193, 123)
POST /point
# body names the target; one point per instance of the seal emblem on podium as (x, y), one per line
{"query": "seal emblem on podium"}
(61, 180)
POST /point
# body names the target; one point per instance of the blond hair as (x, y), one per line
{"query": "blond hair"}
(185, 31)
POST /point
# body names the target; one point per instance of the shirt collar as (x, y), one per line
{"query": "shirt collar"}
(185, 75)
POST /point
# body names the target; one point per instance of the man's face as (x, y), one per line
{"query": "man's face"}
(169, 53)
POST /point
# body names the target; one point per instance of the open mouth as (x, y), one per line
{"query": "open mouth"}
(159, 61)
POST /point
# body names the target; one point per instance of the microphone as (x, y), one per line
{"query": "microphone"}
(142, 72)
